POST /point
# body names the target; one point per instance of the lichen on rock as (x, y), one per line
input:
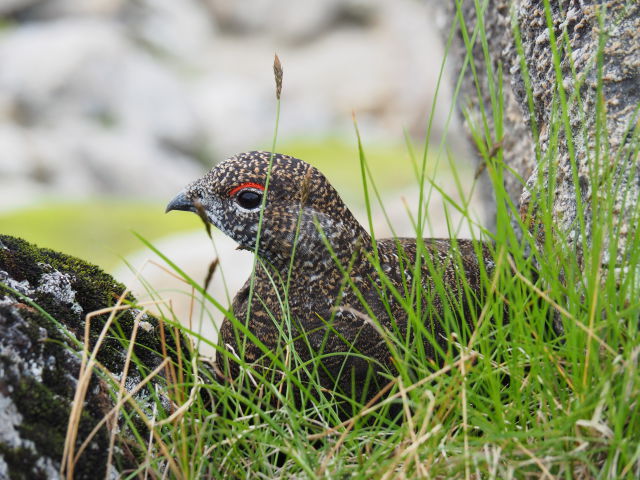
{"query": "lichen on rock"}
(44, 298)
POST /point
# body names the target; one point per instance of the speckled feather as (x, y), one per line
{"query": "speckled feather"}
(301, 204)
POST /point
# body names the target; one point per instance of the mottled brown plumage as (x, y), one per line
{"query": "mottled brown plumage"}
(338, 320)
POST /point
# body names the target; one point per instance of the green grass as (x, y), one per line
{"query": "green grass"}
(514, 398)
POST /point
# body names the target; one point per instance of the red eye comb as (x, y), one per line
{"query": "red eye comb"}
(246, 185)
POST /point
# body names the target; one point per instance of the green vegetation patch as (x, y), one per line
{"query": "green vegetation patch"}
(98, 231)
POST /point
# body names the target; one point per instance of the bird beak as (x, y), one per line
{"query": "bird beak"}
(181, 202)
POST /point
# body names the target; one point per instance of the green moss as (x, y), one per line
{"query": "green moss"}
(45, 420)
(94, 289)
(21, 463)
(45, 415)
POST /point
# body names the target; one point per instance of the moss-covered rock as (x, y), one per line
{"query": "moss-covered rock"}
(45, 297)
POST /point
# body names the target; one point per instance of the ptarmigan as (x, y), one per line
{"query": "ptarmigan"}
(317, 283)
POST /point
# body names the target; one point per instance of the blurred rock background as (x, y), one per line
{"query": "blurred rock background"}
(109, 107)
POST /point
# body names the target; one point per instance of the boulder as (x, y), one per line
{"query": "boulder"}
(45, 299)
(592, 163)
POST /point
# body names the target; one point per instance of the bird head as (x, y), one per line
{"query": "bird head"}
(297, 206)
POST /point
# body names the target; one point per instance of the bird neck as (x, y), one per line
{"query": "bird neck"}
(318, 244)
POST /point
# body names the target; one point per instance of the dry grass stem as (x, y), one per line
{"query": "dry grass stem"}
(121, 389)
(192, 397)
(84, 376)
(123, 399)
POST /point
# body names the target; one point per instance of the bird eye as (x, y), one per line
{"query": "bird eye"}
(249, 199)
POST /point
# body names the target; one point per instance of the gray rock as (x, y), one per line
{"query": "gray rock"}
(182, 30)
(384, 71)
(96, 95)
(87, 69)
(49, 9)
(604, 174)
(40, 356)
(297, 21)
(86, 113)
(615, 177)
(10, 7)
